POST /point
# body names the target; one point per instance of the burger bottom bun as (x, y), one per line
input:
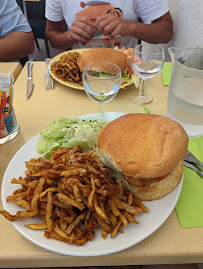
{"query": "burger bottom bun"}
(161, 188)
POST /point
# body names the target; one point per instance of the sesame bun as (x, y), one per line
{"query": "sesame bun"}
(143, 147)
(103, 55)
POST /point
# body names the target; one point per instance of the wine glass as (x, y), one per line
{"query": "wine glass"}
(101, 81)
(147, 61)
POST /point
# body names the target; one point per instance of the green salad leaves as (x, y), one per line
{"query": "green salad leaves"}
(69, 132)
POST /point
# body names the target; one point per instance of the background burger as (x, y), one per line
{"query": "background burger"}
(106, 55)
(149, 151)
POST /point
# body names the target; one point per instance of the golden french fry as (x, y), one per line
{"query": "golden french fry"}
(33, 184)
(140, 204)
(63, 224)
(130, 218)
(73, 172)
(114, 209)
(68, 218)
(56, 236)
(91, 196)
(23, 203)
(9, 216)
(115, 229)
(65, 199)
(23, 214)
(130, 199)
(37, 193)
(104, 233)
(139, 209)
(130, 209)
(20, 181)
(76, 192)
(98, 209)
(37, 226)
(62, 233)
(17, 195)
(76, 222)
(49, 210)
(103, 224)
(113, 219)
(51, 189)
(123, 219)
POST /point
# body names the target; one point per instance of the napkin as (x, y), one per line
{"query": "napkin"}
(166, 72)
(189, 207)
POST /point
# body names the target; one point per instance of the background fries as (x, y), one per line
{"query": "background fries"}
(73, 194)
(67, 68)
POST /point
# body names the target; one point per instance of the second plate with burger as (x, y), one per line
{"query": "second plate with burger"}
(70, 84)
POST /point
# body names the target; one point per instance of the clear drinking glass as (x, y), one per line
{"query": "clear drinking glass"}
(147, 61)
(101, 81)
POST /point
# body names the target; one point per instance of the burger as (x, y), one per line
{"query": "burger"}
(148, 150)
(105, 55)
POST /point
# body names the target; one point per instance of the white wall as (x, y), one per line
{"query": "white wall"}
(188, 24)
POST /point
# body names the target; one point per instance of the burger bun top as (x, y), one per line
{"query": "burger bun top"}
(103, 55)
(143, 145)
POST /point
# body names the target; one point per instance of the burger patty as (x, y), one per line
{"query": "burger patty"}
(139, 182)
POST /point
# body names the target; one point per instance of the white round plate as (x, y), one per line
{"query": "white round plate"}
(68, 83)
(159, 211)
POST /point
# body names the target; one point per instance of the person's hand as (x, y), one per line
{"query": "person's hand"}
(111, 25)
(82, 30)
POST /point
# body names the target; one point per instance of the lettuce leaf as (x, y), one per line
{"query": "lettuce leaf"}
(69, 132)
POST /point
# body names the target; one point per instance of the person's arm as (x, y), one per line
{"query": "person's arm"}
(16, 45)
(81, 31)
(159, 31)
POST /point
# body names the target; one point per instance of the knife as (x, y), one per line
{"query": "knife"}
(30, 84)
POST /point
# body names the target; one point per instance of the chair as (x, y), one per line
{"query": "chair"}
(25, 59)
(139, 41)
(36, 18)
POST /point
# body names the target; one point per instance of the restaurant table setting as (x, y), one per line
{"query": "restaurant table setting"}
(164, 236)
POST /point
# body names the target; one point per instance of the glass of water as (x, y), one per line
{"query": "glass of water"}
(147, 61)
(101, 81)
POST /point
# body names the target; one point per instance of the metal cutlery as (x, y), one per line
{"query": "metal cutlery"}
(30, 84)
(189, 157)
(48, 80)
(194, 167)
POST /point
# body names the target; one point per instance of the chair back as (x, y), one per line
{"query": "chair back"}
(20, 4)
(35, 10)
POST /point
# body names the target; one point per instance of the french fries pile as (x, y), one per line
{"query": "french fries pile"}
(67, 68)
(72, 193)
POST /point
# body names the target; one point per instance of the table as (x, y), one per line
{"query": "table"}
(14, 68)
(170, 244)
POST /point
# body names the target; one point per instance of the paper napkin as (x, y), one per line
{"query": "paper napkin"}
(189, 207)
(166, 72)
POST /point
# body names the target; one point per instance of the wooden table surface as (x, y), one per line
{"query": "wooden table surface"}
(170, 244)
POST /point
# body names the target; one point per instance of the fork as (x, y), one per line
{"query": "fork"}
(194, 167)
(48, 80)
(189, 157)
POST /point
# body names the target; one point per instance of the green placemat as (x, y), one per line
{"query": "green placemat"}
(189, 207)
(166, 72)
